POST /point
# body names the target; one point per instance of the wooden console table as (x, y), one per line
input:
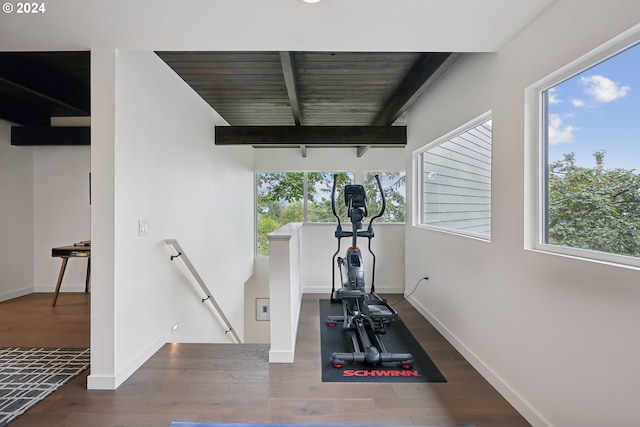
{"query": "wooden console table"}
(78, 250)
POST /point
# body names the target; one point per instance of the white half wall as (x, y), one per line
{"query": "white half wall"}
(557, 336)
(160, 157)
(16, 217)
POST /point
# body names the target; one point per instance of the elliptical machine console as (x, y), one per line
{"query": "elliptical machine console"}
(365, 315)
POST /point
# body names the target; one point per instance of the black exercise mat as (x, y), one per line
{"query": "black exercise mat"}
(398, 339)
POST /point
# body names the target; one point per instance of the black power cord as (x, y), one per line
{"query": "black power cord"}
(410, 293)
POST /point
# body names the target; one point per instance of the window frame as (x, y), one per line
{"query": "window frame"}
(536, 154)
(418, 193)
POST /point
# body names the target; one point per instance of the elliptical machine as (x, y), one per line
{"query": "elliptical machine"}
(365, 316)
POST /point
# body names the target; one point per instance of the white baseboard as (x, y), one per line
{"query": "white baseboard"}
(101, 382)
(6, 296)
(63, 289)
(529, 413)
(281, 356)
(112, 382)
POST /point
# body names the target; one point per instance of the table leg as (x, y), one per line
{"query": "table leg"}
(60, 276)
(88, 279)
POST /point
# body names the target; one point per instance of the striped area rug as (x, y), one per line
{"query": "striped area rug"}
(28, 375)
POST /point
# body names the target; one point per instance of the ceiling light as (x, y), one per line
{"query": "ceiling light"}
(311, 1)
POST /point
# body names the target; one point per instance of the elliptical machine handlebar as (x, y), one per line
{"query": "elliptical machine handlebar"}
(384, 200)
(333, 197)
(339, 233)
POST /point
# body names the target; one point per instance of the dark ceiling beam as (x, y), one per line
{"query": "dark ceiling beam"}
(349, 136)
(43, 135)
(426, 70)
(290, 80)
(22, 114)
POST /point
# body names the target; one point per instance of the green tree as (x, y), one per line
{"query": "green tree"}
(280, 186)
(266, 225)
(394, 184)
(320, 188)
(292, 213)
(278, 202)
(321, 211)
(593, 208)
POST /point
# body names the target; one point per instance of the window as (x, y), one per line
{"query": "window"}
(394, 185)
(279, 201)
(590, 156)
(319, 196)
(455, 181)
(284, 197)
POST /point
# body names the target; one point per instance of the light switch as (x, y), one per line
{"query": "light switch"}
(143, 227)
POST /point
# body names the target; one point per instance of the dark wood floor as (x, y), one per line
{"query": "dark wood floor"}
(235, 383)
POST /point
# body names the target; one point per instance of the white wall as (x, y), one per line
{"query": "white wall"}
(61, 213)
(45, 203)
(166, 170)
(558, 336)
(329, 159)
(16, 217)
(256, 331)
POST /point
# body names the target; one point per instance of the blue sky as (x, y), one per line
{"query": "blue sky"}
(599, 109)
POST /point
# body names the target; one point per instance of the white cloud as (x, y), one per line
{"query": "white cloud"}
(577, 103)
(603, 89)
(558, 132)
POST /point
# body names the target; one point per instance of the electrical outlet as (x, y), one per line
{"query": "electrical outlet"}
(263, 310)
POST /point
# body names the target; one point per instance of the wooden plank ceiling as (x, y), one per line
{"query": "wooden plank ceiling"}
(271, 93)
(269, 99)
